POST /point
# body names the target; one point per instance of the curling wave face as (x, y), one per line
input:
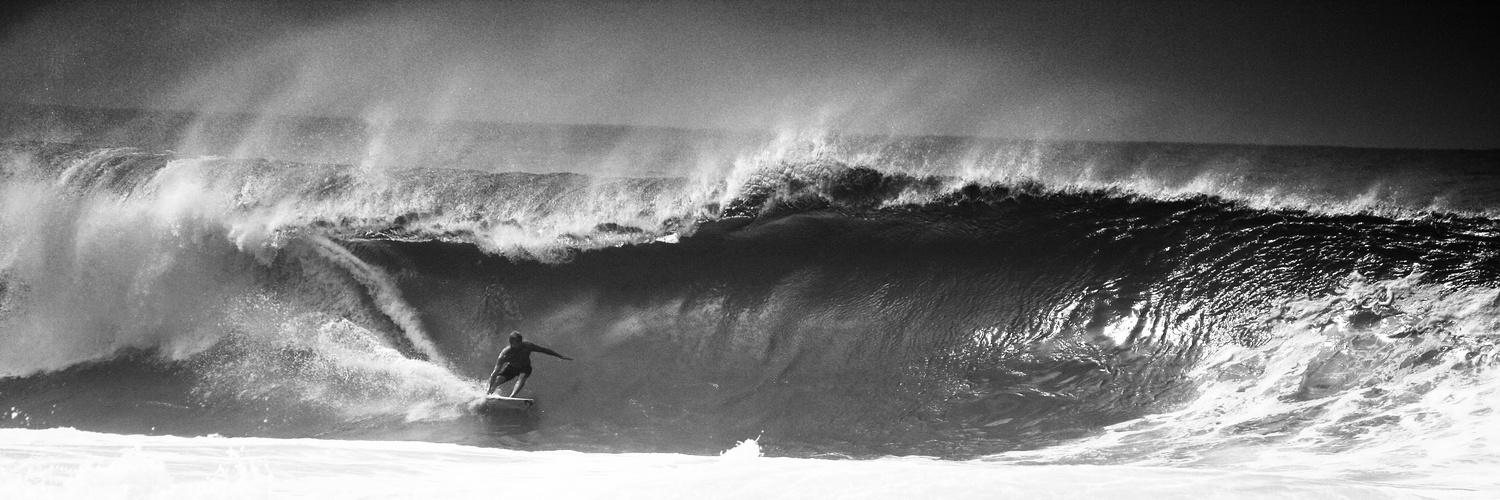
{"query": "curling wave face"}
(836, 308)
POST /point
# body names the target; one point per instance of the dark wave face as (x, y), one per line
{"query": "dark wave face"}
(832, 307)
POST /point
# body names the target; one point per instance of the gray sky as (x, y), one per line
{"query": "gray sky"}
(1340, 73)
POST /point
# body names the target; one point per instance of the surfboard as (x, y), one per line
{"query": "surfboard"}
(497, 402)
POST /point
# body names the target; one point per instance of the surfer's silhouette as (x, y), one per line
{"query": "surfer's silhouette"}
(515, 363)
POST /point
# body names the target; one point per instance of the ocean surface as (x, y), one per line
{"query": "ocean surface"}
(241, 306)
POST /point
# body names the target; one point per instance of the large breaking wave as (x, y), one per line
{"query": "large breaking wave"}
(835, 304)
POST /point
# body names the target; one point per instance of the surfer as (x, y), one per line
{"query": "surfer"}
(515, 363)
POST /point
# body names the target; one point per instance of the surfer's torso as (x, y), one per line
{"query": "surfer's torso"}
(518, 355)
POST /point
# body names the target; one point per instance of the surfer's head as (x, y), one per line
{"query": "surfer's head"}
(515, 338)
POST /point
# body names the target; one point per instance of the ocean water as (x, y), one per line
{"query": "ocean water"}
(266, 307)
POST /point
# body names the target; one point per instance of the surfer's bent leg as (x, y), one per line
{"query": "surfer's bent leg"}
(521, 377)
(520, 382)
(498, 377)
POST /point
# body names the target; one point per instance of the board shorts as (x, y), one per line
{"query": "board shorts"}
(510, 371)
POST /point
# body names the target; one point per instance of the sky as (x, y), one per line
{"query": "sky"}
(1368, 74)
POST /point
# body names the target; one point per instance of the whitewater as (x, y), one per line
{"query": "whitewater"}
(241, 306)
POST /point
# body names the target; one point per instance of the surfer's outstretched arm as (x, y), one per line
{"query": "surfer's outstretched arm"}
(550, 352)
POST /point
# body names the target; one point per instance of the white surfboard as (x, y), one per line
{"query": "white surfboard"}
(498, 402)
